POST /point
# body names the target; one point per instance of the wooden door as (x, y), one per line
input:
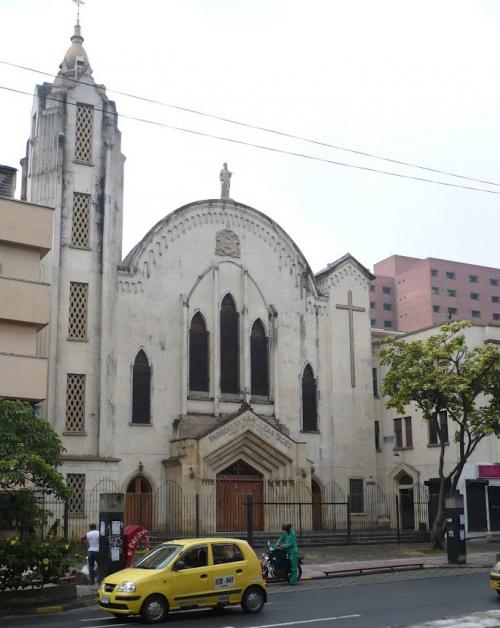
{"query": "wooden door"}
(407, 508)
(317, 517)
(139, 503)
(232, 496)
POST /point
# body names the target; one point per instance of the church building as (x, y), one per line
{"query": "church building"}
(210, 367)
(211, 352)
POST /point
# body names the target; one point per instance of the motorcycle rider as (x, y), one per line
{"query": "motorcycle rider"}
(288, 541)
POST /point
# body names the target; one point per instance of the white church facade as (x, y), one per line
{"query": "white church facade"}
(211, 358)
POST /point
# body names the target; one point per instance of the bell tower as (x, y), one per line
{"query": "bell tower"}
(74, 163)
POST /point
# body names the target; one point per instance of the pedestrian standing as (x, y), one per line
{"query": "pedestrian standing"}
(93, 551)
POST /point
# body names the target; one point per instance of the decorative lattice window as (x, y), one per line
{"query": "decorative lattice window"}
(80, 226)
(76, 503)
(78, 296)
(75, 403)
(83, 134)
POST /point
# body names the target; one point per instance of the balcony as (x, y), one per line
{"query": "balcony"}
(24, 302)
(26, 224)
(23, 377)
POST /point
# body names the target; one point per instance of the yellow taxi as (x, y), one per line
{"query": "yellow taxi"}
(186, 574)
(495, 577)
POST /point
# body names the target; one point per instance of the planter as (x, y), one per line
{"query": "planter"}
(50, 594)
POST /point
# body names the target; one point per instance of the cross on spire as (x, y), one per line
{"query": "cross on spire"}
(78, 3)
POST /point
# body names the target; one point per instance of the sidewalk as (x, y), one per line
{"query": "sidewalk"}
(480, 553)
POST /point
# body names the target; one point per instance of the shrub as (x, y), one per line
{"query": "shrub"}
(32, 564)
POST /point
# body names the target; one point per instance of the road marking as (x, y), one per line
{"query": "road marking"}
(307, 621)
(110, 623)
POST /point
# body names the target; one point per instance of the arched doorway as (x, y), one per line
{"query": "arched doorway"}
(139, 503)
(317, 514)
(234, 485)
(406, 501)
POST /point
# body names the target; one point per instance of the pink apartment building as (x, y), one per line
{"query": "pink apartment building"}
(409, 293)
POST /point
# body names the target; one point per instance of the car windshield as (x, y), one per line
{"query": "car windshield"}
(158, 558)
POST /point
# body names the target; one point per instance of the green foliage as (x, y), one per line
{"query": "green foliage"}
(30, 451)
(32, 564)
(442, 373)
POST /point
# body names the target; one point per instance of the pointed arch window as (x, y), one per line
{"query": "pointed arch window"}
(141, 389)
(229, 346)
(198, 354)
(309, 401)
(259, 360)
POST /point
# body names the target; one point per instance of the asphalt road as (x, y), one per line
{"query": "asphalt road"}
(366, 602)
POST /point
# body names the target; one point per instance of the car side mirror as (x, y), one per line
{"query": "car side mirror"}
(179, 565)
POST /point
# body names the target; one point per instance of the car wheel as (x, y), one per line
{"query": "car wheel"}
(154, 609)
(253, 600)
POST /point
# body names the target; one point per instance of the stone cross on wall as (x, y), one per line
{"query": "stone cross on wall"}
(351, 308)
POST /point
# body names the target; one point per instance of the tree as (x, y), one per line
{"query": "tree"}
(30, 452)
(441, 373)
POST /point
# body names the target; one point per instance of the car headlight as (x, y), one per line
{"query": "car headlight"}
(126, 587)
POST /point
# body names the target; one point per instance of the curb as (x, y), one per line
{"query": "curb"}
(87, 600)
(358, 575)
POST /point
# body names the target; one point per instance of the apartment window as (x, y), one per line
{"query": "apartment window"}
(496, 316)
(434, 272)
(435, 290)
(452, 311)
(443, 426)
(80, 225)
(372, 304)
(436, 308)
(495, 299)
(75, 403)
(450, 274)
(451, 292)
(388, 307)
(403, 433)
(493, 281)
(84, 129)
(78, 297)
(474, 296)
(76, 503)
(375, 382)
(387, 290)
(373, 322)
(356, 496)
(372, 288)
(473, 278)
(377, 436)
(388, 324)
(476, 314)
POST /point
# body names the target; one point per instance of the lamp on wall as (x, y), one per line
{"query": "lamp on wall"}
(191, 472)
(141, 467)
(303, 474)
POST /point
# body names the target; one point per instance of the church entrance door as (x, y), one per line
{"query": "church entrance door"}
(139, 503)
(234, 485)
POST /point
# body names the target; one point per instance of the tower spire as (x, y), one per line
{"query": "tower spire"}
(78, 3)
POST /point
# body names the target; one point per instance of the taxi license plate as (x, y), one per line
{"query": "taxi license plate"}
(105, 599)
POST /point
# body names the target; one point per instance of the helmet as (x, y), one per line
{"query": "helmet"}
(286, 527)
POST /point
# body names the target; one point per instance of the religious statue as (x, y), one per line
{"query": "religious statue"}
(225, 181)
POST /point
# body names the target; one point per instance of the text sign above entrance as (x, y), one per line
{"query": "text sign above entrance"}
(257, 425)
(485, 471)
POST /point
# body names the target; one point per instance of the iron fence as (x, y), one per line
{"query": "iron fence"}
(329, 517)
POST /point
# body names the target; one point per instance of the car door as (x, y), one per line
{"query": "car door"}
(229, 573)
(188, 584)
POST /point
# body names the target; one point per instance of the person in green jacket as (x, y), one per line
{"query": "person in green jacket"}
(288, 541)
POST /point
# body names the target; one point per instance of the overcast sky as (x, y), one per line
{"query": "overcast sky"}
(414, 81)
